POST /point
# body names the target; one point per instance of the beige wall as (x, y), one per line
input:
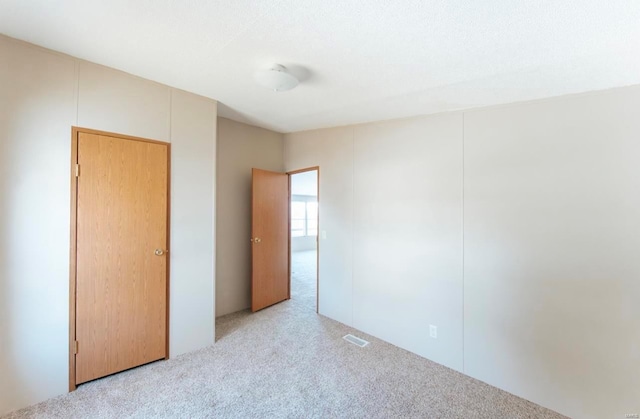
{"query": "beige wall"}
(407, 234)
(331, 150)
(513, 229)
(193, 246)
(42, 94)
(241, 147)
(38, 96)
(552, 234)
(391, 209)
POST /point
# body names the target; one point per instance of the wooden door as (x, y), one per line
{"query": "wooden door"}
(121, 259)
(270, 239)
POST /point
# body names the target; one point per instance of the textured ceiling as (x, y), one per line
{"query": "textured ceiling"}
(363, 60)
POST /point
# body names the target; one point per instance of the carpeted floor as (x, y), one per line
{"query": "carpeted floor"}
(303, 278)
(288, 362)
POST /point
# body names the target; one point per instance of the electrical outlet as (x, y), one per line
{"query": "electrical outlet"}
(433, 331)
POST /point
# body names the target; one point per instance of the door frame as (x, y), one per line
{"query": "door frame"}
(75, 132)
(294, 172)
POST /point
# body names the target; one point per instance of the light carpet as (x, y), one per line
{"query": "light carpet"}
(303, 278)
(288, 362)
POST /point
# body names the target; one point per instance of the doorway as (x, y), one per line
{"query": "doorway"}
(303, 230)
(284, 238)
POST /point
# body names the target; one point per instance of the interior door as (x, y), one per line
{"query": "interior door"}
(270, 239)
(121, 254)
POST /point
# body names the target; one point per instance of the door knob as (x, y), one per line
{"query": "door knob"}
(256, 240)
(160, 252)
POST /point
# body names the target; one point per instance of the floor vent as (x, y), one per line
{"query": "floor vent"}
(356, 341)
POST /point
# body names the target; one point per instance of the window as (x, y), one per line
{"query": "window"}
(304, 217)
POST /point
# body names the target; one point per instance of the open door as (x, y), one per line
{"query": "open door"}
(270, 238)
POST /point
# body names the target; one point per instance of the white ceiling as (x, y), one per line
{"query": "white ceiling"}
(305, 183)
(364, 59)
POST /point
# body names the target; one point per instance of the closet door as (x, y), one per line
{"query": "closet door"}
(121, 254)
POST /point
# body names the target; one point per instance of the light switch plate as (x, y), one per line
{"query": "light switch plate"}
(433, 331)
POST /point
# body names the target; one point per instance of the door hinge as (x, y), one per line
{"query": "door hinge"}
(75, 348)
(77, 170)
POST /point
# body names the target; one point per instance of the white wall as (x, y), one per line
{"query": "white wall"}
(513, 229)
(42, 95)
(304, 243)
(304, 187)
(241, 147)
(305, 183)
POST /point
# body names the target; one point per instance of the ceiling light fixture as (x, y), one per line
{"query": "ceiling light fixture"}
(277, 78)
